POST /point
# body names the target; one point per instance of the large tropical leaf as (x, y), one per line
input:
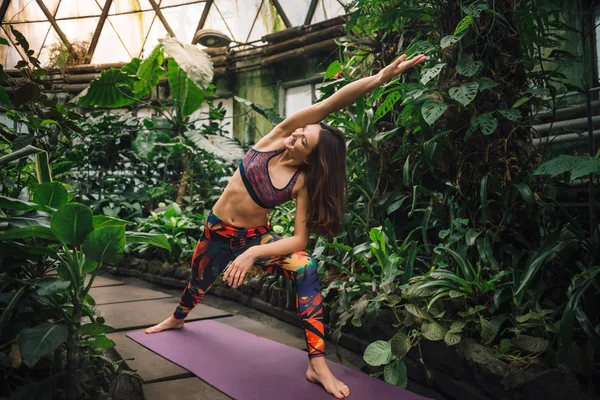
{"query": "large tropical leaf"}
(149, 73)
(433, 109)
(184, 91)
(113, 88)
(72, 223)
(465, 93)
(467, 67)
(431, 73)
(51, 194)
(193, 61)
(105, 244)
(38, 342)
(218, 145)
(158, 240)
(578, 166)
(21, 153)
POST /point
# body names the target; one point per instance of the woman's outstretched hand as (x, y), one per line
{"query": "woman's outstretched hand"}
(399, 66)
(237, 270)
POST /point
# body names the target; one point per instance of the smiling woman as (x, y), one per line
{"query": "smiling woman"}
(301, 159)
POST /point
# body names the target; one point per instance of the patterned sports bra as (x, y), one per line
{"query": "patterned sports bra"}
(254, 169)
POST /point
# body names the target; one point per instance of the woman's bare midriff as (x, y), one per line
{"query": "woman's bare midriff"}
(236, 207)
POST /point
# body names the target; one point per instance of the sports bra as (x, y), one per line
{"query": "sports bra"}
(254, 169)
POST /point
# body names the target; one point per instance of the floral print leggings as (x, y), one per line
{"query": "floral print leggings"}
(221, 243)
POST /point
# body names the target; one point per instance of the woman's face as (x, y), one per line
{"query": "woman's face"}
(302, 142)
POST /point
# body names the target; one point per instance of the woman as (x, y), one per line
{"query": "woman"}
(299, 159)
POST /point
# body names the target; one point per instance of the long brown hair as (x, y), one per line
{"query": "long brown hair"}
(325, 181)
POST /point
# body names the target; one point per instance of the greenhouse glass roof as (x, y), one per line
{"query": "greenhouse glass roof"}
(110, 31)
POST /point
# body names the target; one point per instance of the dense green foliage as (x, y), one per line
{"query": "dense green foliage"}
(451, 225)
(456, 224)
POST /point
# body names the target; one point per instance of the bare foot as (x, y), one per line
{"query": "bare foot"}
(169, 323)
(318, 372)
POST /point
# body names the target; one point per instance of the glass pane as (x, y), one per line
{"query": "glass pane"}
(132, 29)
(109, 48)
(215, 21)
(184, 20)
(268, 22)
(297, 98)
(78, 8)
(120, 6)
(157, 31)
(239, 16)
(79, 29)
(28, 10)
(8, 55)
(295, 10)
(327, 9)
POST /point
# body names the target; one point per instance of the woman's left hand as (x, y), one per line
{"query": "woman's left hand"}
(399, 66)
(237, 270)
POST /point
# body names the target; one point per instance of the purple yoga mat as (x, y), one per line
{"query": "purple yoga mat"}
(248, 367)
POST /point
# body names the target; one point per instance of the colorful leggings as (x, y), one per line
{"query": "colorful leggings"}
(221, 243)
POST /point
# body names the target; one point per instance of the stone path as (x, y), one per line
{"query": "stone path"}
(129, 304)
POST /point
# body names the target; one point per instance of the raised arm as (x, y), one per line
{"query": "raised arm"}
(344, 97)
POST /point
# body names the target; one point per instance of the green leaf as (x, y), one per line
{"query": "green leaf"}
(526, 193)
(430, 73)
(21, 153)
(113, 89)
(16, 204)
(101, 220)
(3, 41)
(471, 311)
(465, 93)
(89, 266)
(387, 105)
(452, 338)
(471, 236)
(94, 329)
(102, 342)
(463, 24)
(51, 194)
(449, 41)
(333, 69)
(457, 326)
(183, 90)
(467, 67)
(106, 244)
(489, 330)
(433, 331)
(149, 73)
(72, 223)
(433, 109)
(418, 312)
(510, 114)
(587, 167)
(395, 373)
(400, 345)
(268, 113)
(485, 122)
(192, 60)
(51, 287)
(41, 341)
(486, 83)
(520, 102)
(531, 344)
(158, 240)
(27, 232)
(378, 353)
